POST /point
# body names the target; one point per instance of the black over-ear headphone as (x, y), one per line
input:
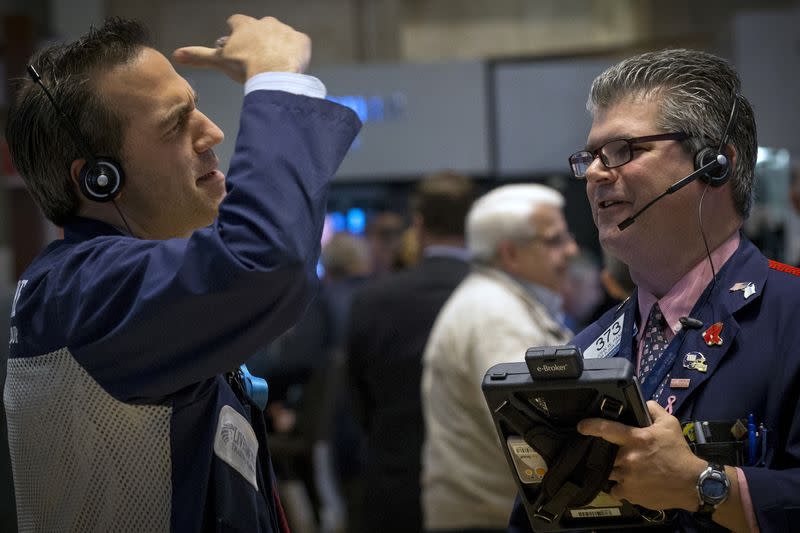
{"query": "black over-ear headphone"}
(721, 174)
(101, 178)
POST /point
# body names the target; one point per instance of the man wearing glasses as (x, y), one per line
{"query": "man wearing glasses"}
(711, 330)
(520, 248)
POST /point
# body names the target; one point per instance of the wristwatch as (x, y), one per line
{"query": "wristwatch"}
(712, 489)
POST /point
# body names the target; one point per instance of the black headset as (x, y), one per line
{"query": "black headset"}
(101, 178)
(719, 175)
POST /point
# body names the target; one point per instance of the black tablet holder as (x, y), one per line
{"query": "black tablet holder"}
(562, 475)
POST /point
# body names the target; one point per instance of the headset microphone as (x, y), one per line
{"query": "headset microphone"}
(101, 178)
(690, 323)
(720, 162)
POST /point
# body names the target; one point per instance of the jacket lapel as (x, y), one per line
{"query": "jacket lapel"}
(747, 266)
(696, 361)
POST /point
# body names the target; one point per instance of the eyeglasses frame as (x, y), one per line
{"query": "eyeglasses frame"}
(597, 152)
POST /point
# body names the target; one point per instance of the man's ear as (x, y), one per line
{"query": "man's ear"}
(732, 154)
(507, 255)
(75, 172)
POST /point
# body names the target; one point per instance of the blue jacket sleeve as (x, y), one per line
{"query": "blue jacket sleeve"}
(146, 318)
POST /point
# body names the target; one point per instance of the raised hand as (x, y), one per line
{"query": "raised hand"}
(254, 46)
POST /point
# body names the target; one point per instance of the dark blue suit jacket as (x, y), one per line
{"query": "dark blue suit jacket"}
(755, 370)
(155, 324)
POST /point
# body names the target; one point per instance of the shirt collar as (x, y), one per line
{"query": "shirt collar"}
(552, 301)
(681, 298)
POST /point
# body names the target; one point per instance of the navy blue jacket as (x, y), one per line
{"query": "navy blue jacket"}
(116, 380)
(755, 370)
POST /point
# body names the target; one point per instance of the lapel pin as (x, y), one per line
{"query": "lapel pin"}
(748, 288)
(695, 361)
(711, 335)
(679, 383)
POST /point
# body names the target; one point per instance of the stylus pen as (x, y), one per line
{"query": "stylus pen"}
(751, 439)
(698, 433)
(707, 431)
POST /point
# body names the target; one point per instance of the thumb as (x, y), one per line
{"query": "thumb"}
(656, 411)
(199, 56)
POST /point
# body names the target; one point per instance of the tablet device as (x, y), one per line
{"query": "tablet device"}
(536, 406)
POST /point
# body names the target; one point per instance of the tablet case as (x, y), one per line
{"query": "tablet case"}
(520, 406)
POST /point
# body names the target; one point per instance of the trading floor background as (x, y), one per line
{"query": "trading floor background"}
(492, 89)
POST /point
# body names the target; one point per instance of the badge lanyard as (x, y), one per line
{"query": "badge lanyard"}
(662, 366)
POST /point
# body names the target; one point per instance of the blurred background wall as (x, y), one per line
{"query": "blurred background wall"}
(493, 88)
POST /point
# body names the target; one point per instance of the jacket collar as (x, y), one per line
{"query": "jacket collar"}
(79, 229)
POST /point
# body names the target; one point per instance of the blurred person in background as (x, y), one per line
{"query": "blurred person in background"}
(384, 234)
(582, 291)
(521, 249)
(617, 285)
(290, 359)
(792, 224)
(616, 279)
(389, 324)
(410, 252)
(308, 397)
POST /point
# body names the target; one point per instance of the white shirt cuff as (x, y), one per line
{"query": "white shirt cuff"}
(289, 82)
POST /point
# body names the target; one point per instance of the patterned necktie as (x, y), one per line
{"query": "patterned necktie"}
(655, 342)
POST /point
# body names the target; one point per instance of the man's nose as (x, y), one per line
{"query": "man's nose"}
(208, 134)
(597, 171)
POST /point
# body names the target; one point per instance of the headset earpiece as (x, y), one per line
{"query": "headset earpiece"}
(101, 181)
(101, 178)
(717, 176)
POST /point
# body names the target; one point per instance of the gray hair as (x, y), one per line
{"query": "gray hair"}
(695, 92)
(504, 214)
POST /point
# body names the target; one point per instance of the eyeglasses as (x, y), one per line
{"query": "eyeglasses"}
(616, 153)
(554, 241)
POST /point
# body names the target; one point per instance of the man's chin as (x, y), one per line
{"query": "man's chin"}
(610, 237)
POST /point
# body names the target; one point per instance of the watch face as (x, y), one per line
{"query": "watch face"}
(714, 489)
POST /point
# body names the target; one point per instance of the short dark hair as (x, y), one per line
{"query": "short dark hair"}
(443, 200)
(695, 92)
(42, 149)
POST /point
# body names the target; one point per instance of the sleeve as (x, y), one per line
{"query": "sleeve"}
(288, 82)
(146, 318)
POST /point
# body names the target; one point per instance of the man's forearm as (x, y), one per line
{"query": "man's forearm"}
(731, 513)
